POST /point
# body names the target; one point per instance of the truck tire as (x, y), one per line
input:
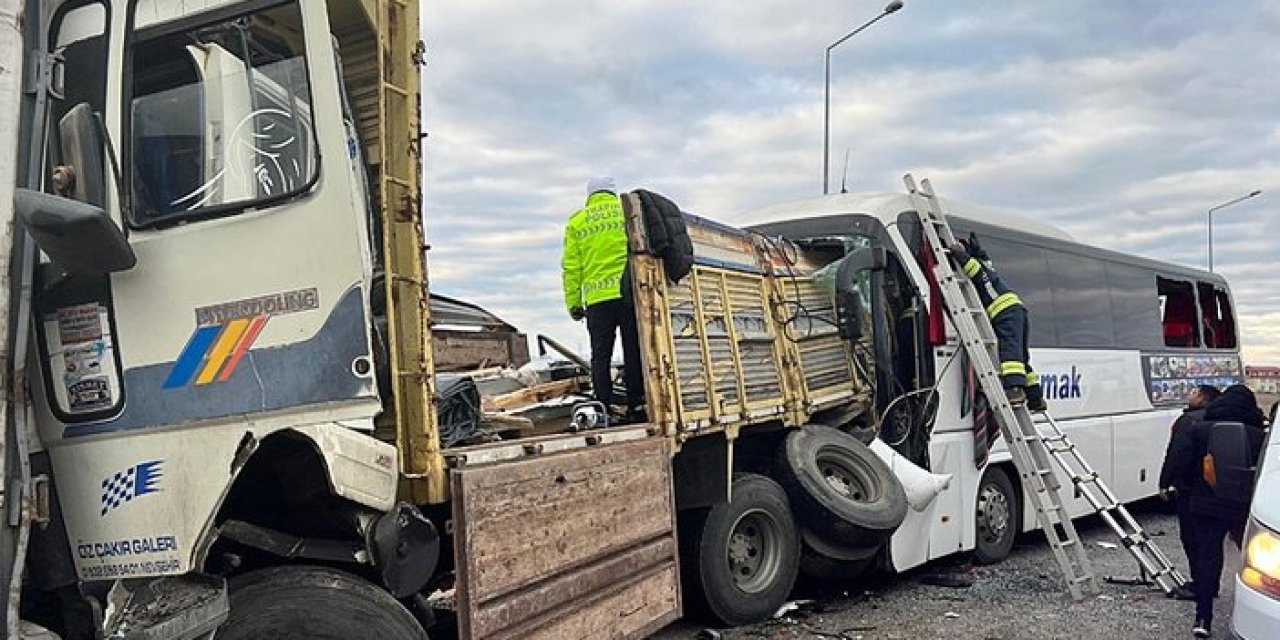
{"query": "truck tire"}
(997, 517)
(839, 488)
(315, 603)
(742, 557)
(824, 561)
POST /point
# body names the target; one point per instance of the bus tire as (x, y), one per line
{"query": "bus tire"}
(822, 560)
(296, 602)
(840, 488)
(742, 556)
(996, 517)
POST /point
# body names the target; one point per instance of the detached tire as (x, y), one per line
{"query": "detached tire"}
(997, 517)
(839, 488)
(824, 561)
(741, 557)
(314, 603)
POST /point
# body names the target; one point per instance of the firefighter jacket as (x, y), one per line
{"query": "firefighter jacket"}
(996, 297)
(595, 252)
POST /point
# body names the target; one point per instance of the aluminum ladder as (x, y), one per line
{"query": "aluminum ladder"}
(1030, 452)
(1151, 560)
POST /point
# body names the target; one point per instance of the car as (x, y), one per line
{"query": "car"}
(1257, 602)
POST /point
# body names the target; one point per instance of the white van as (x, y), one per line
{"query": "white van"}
(1257, 602)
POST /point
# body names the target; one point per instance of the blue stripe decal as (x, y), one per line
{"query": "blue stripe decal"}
(192, 356)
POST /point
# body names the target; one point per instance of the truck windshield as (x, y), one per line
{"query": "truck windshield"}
(220, 118)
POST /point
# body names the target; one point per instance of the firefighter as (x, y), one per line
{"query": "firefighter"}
(1008, 318)
(595, 254)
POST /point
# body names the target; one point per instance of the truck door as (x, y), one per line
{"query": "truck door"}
(250, 290)
(247, 308)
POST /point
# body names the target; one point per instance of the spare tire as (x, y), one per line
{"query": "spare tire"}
(825, 561)
(839, 488)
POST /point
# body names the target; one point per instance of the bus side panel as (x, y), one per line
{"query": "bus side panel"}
(579, 544)
(1140, 442)
(946, 524)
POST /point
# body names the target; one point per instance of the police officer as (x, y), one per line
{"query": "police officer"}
(1008, 318)
(595, 254)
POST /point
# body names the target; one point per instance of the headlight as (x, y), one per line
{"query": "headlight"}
(1261, 569)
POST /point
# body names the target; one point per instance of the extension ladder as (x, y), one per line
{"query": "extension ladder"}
(1151, 560)
(1030, 449)
(1031, 455)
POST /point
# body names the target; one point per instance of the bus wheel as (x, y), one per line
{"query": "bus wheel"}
(825, 561)
(744, 554)
(297, 602)
(839, 487)
(997, 517)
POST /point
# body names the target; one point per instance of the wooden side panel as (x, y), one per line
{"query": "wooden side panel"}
(572, 544)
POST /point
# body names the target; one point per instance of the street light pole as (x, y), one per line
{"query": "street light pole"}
(826, 111)
(1224, 206)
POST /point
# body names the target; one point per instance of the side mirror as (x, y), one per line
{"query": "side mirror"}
(78, 237)
(848, 304)
(82, 150)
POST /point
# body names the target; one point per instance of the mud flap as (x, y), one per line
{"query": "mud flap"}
(575, 544)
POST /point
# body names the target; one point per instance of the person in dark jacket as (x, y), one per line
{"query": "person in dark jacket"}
(1008, 318)
(1180, 488)
(1214, 515)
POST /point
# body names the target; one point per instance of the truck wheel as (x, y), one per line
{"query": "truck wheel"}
(297, 602)
(997, 517)
(825, 561)
(840, 489)
(743, 556)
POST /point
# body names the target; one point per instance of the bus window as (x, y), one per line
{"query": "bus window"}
(1178, 312)
(1215, 317)
(1134, 306)
(1025, 268)
(1081, 302)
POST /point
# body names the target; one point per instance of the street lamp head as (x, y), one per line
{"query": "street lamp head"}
(893, 6)
(1254, 193)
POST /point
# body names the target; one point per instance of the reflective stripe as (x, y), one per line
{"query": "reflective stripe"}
(971, 267)
(1033, 379)
(1002, 302)
(1013, 368)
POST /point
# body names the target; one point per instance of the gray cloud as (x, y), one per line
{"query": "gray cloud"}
(1122, 123)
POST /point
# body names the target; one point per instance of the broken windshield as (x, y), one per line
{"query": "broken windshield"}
(220, 118)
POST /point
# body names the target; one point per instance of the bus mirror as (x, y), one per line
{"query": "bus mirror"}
(849, 314)
(82, 151)
(77, 237)
(848, 304)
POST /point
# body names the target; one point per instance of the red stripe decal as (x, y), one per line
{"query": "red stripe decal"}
(246, 341)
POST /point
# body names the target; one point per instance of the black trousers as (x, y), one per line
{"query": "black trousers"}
(1011, 327)
(1186, 527)
(1206, 569)
(604, 320)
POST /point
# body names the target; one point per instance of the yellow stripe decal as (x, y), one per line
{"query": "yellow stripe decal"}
(971, 267)
(1011, 368)
(1001, 303)
(221, 349)
(1033, 379)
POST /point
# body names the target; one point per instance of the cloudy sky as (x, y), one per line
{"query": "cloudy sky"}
(1120, 122)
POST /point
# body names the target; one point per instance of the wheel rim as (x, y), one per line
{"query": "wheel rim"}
(993, 513)
(755, 551)
(850, 477)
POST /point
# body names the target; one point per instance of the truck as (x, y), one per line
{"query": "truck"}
(223, 403)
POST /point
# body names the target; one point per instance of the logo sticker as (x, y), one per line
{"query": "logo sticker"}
(225, 332)
(136, 481)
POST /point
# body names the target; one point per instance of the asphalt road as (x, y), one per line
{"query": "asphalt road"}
(1022, 597)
